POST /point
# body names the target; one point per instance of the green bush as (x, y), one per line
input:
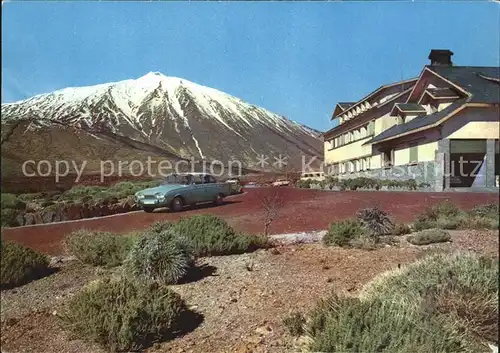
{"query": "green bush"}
(478, 222)
(21, 265)
(304, 184)
(369, 183)
(11, 201)
(8, 217)
(421, 224)
(447, 209)
(401, 229)
(449, 222)
(429, 236)
(352, 325)
(99, 248)
(210, 235)
(30, 197)
(442, 303)
(343, 232)
(159, 226)
(81, 192)
(447, 214)
(295, 323)
(488, 210)
(164, 257)
(47, 203)
(375, 221)
(123, 314)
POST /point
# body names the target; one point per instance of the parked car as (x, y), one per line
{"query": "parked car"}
(180, 190)
(318, 176)
(281, 182)
(235, 185)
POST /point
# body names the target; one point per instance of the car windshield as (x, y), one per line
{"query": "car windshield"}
(184, 179)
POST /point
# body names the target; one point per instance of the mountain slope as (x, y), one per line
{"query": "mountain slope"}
(174, 116)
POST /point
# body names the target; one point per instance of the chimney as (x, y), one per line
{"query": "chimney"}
(441, 57)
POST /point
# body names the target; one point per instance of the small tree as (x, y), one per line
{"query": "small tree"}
(271, 202)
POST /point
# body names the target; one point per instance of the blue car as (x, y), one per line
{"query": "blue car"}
(180, 190)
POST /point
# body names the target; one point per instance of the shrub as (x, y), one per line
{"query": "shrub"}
(411, 184)
(123, 314)
(159, 226)
(11, 201)
(449, 222)
(478, 222)
(488, 210)
(429, 236)
(445, 209)
(47, 203)
(21, 265)
(8, 217)
(364, 241)
(375, 221)
(99, 248)
(80, 192)
(442, 303)
(30, 197)
(210, 235)
(295, 323)
(305, 184)
(164, 257)
(401, 229)
(352, 325)
(445, 213)
(343, 232)
(422, 223)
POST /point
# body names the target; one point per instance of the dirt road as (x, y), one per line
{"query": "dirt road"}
(303, 210)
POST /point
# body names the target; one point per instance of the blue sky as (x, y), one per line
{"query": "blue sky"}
(295, 59)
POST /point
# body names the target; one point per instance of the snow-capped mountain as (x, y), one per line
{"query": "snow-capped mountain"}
(170, 114)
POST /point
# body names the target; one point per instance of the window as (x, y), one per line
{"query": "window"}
(371, 128)
(363, 132)
(413, 153)
(388, 158)
(361, 164)
(367, 163)
(199, 179)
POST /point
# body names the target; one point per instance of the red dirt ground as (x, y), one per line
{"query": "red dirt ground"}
(303, 210)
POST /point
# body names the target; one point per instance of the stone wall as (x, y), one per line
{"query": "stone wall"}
(424, 172)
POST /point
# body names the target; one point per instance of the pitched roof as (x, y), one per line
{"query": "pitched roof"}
(417, 122)
(442, 92)
(345, 105)
(479, 82)
(473, 79)
(405, 84)
(410, 107)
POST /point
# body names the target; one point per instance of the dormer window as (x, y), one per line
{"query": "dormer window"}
(407, 111)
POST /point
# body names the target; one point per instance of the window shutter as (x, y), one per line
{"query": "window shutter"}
(413, 153)
(371, 127)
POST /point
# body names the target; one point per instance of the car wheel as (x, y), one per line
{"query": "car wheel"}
(219, 200)
(176, 204)
(148, 209)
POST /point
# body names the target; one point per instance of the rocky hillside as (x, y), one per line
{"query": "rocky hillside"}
(154, 115)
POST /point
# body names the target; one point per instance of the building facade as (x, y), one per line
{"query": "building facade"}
(441, 129)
